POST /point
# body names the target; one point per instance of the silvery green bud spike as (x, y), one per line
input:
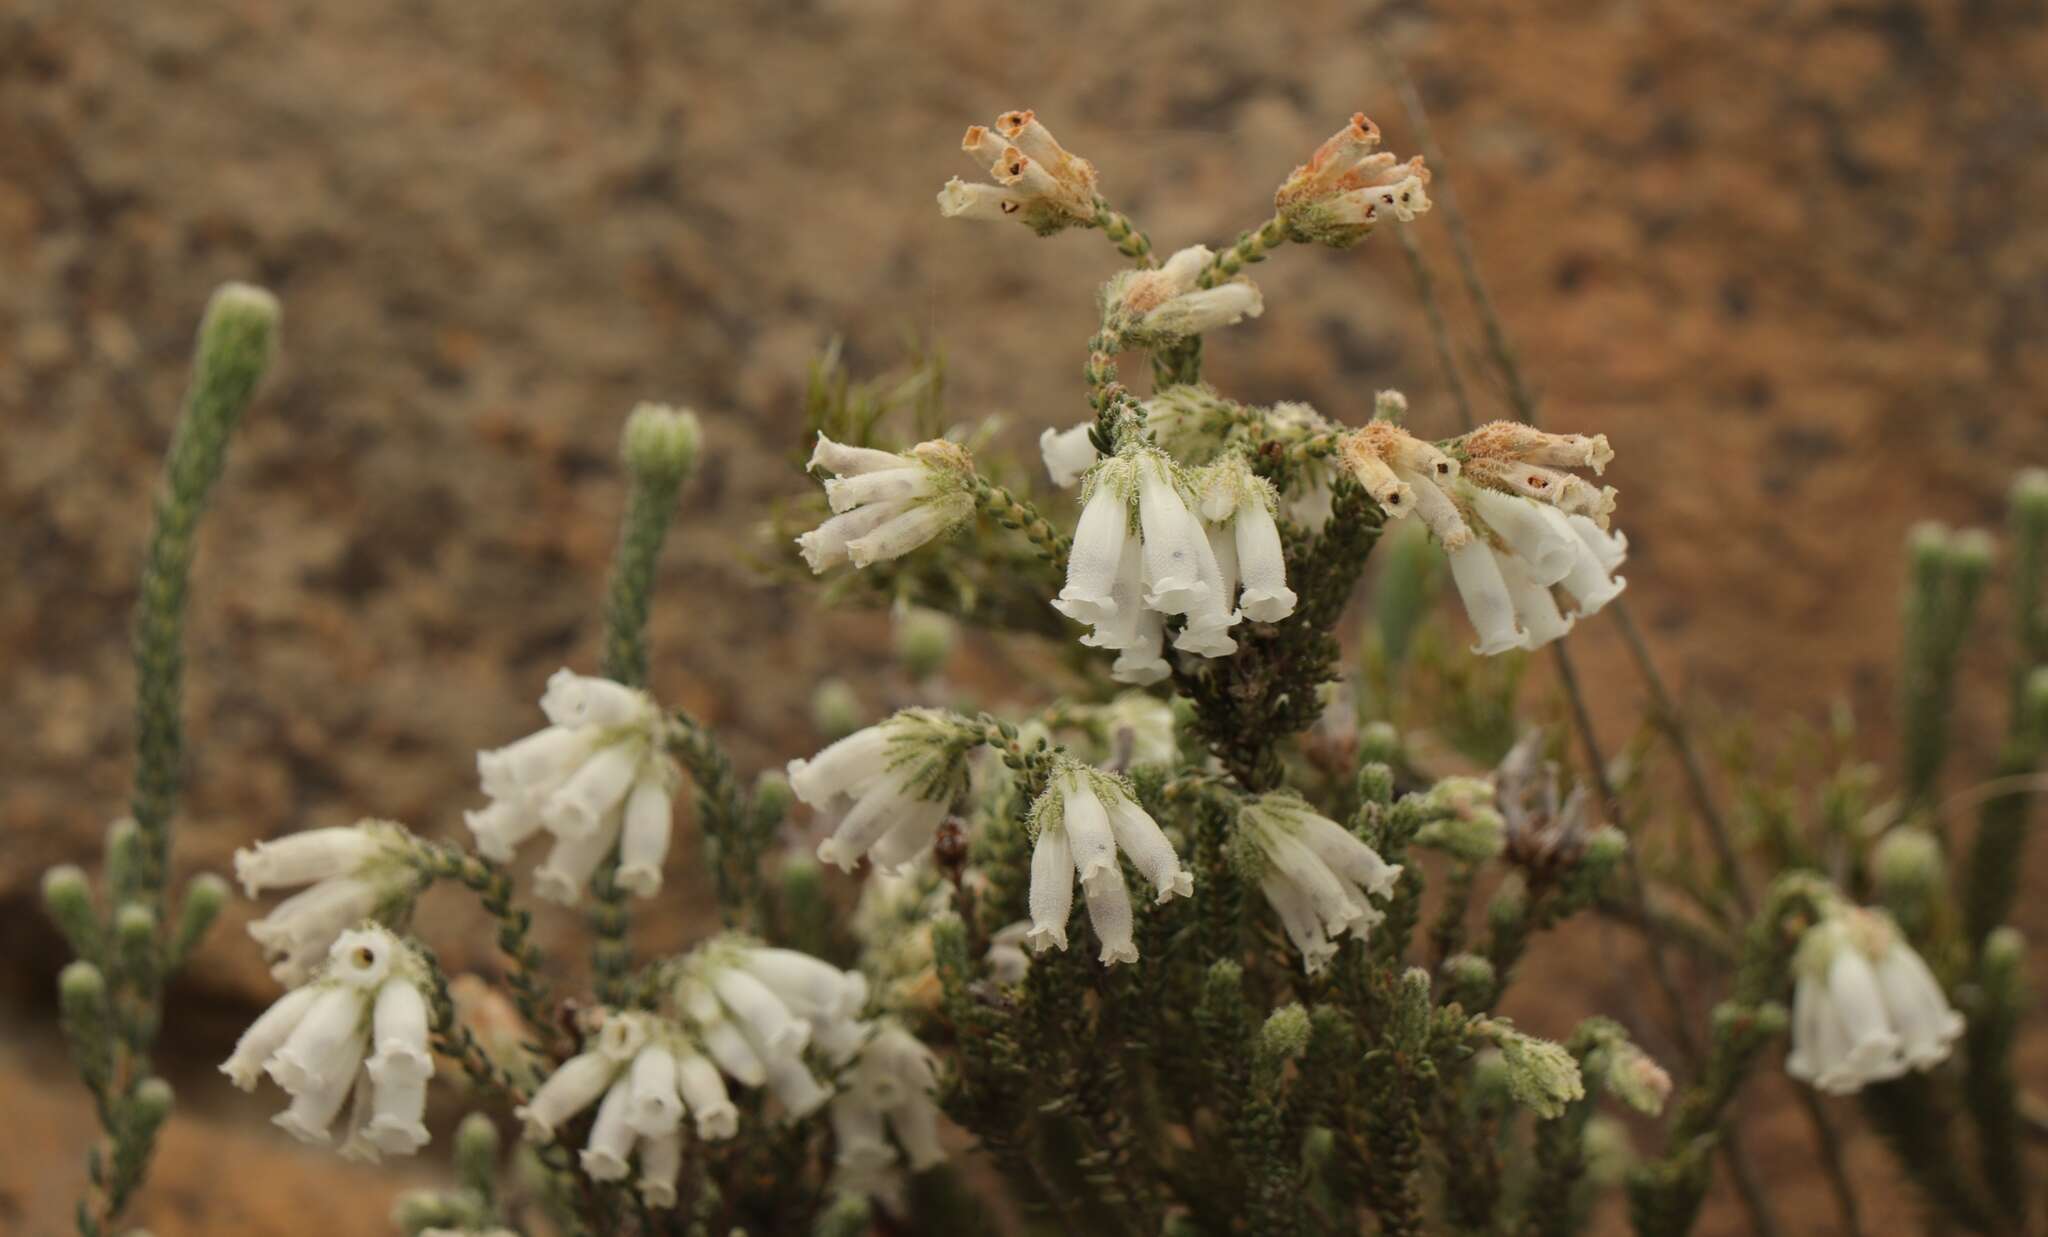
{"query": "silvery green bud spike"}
(127, 858)
(924, 640)
(1285, 1035)
(835, 709)
(1908, 869)
(1380, 743)
(661, 443)
(151, 1103)
(476, 1153)
(135, 938)
(1468, 980)
(773, 796)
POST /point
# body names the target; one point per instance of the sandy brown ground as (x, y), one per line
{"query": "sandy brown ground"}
(1788, 256)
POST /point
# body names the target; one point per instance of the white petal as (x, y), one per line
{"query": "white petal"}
(599, 785)
(399, 1033)
(266, 1035)
(571, 862)
(1086, 824)
(1261, 565)
(500, 827)
(1109, 913)
(1485, 595)
(851, 762)
(1536, 538)
(653, 1106)
(576, 700)
(889, 486)
(661, 1161)
(825, 546)
(1140, 837)
(704, 1091)
(327, 1044)
(1093, 561)
(1535, 609)
(303, 858)
(611, 1136)
(760, 1013)
(794, 1088)
(643, 842)
(568, 1091)
(1174, 542)
(1052, 890)
(1068, 453)
(846, 461)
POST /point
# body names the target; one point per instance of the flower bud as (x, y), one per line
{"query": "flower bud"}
(1908, 867)
(1970, 554)
(419, 1210)
(1635, 1078)
(772, 798)
(2005, 960)
(1541, 1075)
(151, 1103)
(1285, 1035)
(1608, 1150)
(1474, 837)
(476, 1152)
(661, 443)
(924, 640)
(1379, 742)
(135, 937)
(835, 709)
(1468, 980)
(239, 330)
(67, 896)
(81, 985)
(205, 894)
(1390, 406)
(125, 861)
(1605, 848)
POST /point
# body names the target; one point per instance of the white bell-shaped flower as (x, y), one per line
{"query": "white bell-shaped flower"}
(1068, 453)
(895, 781)
(1319, 878)
(359, 1029)
(596, 778)
(1082, 822)
(1865, 1007)
(888, 1091)
(1239, 507)
(352, 873)
(886, 504)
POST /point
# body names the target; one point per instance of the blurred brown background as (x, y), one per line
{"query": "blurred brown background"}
(1788, 256)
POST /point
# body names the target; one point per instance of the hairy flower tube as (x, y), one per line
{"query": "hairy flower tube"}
(1167, 303)
(352, 873)
(645, 1075)
(596, 777)
(1245, 540)
(886, 504)
(1865, 1008)
(1126, 577)
(895, 781)
(887, 1091)
(356, 1035)
(1348, 185)
(1319, 878)
(1037, 181)
(1081, 822)
(1512, 526)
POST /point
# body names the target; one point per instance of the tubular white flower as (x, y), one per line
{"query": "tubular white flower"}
(1609, 547)
(1546, 548)
(1081, 819)
(1123, 625)
(1052, 889)
(1174, 542)
(1068, 453)
(704, 1092)
(313, 1044)
(1100, 541)
(572, 1088)
(1318, 877)
(654, 1107)
(1203, 309)
(887, 504)
(1261, 563)
(1007, 961)
(900, 777)
(1485, 594)
(612, 1136)
(1865, 1006)
(1143, 661)
(661, 1162)
(266, 1035)
(1348, 186)
(889, 1088)
(352, 873)
(812, 987)
(768, 1023)
(602, 752)
(643, 843)
(794, 1087)
(1535, 609)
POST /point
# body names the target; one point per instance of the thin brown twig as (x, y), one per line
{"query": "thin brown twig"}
(1439, 330)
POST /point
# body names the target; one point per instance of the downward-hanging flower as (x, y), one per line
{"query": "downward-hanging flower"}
(886, 504)
(357, 1035)
(1037, 181)
(1167, 303)
(1348, 186)
(888, 1091)
(1865, 1008)
(1126, 577)
(596, 777)
(1080, 823)
(645, 1076)
(1512, 527)
(355, 872)
(1246, 541)
(756, 1010)
(1318, 877)
(895, 781)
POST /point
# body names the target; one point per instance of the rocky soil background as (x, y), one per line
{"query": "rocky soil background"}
(1787, 254)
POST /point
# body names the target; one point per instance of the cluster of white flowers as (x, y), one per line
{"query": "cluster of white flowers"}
(1865, 1008)
(1037, 181)
(1081, 822)
(596, 777)
(352, 873)
(1348, 185)
(1512, 525)
(1163, 304)
(1126, 577)
(645, 1077)
(887, 1090)
(884, 504)
(1318, 877)
(896, 781)
(356, 1035)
